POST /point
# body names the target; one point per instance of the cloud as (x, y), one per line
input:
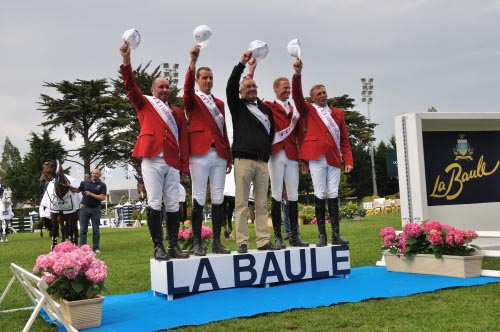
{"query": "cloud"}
(421, 53)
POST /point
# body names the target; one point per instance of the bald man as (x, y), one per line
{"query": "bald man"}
(162, 146)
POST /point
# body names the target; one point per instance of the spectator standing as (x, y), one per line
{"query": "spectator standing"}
(94, 192)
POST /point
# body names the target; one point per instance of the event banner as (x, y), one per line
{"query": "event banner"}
(462, 167)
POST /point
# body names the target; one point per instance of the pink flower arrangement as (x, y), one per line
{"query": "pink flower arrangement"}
(185, 238)
(72, 273)
(430, 237)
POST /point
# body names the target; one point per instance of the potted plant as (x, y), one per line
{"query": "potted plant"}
(76, 278)
(351, 211)
(431, 247)
(307, 214)
(185, 238)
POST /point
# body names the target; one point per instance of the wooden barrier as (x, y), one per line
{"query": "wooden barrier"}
(36, 289)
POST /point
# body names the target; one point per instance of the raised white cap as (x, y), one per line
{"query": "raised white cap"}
(259, 49)
(201, 34)
(132, 37)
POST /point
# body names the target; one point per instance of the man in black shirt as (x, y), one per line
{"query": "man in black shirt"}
(253, 132)
(94, 192)
(2, 187)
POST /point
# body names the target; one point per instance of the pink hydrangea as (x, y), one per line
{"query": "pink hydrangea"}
(67, 266)
(432, 225)
(401, 239)
(430, 237)
(389, 239)
(187, 233)
(48, 277)
(435, 237)
(65, 247)
(470, 234)
(457, 237)
(206, 233)
(387, 231)
(98, 272)
(412, 230)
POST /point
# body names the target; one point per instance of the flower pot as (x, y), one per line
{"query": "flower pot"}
(83, 314)
(450, 266)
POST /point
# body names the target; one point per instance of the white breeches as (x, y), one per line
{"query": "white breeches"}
(161, 181)
(204, 167)
(281, 168)
(325, 178)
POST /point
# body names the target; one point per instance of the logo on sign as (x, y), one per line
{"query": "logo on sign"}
(463, 150)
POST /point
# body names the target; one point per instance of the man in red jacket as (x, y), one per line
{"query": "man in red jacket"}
(210, 152)
(283, 164)
(162, 146)
(326, 145)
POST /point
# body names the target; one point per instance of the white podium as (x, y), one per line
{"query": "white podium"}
(214, 271)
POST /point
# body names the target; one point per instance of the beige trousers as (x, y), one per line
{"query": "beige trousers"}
(245, 172)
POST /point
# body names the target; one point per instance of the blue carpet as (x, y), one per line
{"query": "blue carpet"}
(145, 312)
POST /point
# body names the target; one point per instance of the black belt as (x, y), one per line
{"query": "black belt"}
(251, 156)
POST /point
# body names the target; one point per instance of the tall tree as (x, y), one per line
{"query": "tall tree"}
(386, 185)
(10, 158)
(81, 111)
(361, 133)
(42, 147)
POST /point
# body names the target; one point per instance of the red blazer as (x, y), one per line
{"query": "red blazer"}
(203, 130)
(282, 121)
(318, 140)
(155, 135)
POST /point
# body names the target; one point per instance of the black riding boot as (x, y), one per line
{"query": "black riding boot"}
(154, 225)
(293, 214)
(173, 232)
(320, 218)
(217, 216)
(197, 220)
(333, 209)
(276, 218)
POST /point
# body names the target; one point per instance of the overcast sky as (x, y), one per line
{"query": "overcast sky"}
(421, 53)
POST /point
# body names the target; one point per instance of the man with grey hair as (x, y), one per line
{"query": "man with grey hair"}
(253, 132)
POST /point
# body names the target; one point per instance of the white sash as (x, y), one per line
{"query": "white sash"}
(325, 116)
(284, 133)
(166, 114)
(260, 116)
(214, 111)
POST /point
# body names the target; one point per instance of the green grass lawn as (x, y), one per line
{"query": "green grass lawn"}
(127, 253)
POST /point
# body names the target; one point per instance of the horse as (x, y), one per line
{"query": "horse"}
(6, 215)
(143, 195)
(141, 189)
(61, 201)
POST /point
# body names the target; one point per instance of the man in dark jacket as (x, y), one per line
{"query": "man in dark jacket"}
(253, 132)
